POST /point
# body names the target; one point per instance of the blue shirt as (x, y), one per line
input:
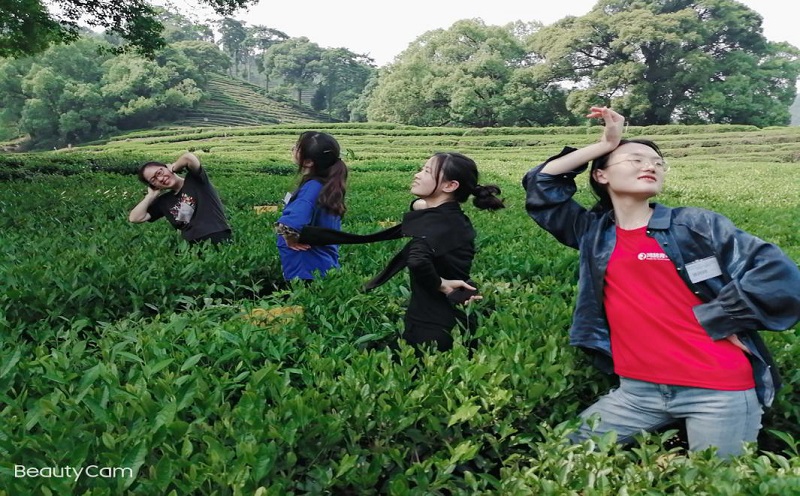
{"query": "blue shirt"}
(303, 210)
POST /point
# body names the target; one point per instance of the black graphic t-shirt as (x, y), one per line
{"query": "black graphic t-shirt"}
(195, 210)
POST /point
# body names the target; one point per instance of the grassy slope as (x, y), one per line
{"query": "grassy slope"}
(237, 103)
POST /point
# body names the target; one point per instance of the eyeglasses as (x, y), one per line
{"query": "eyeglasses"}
(153, 181)
(641, 162)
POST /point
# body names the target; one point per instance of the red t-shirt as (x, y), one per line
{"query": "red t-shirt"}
(655, 336)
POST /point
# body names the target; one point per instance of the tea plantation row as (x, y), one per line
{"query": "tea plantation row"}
(122, 347)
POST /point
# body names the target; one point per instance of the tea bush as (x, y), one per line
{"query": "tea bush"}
(124, 347)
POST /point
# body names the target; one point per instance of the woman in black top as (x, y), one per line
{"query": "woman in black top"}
(191, 203)
(440, 252)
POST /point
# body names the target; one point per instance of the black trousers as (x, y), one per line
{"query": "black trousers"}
(420, 333)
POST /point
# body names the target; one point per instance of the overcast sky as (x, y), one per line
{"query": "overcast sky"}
(384, 29)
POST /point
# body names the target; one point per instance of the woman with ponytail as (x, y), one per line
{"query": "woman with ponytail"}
(441, 249)
(317, 201)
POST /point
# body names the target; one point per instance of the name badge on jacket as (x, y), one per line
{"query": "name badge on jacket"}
(703, 269)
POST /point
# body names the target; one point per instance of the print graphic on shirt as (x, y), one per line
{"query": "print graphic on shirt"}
(183, 211)
(653, 256)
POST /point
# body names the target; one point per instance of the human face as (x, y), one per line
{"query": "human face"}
(159, 177)
(633, 169)
(307, 166)
(424, 183)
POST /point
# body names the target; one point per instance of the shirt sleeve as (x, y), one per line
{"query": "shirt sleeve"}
(300, 211)
(549, 202)
(763, 287)
(199, 176)
(155, 209)
(420, 264)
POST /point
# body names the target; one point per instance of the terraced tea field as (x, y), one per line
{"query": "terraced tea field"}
(206, 374)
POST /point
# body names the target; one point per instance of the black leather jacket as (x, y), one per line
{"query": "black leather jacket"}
(758, 286)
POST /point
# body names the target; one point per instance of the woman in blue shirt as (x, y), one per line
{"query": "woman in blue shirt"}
(318, 201)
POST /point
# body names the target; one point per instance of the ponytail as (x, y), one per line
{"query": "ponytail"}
(331, 197)
(324, 152)
(485, 199)
(458, 167)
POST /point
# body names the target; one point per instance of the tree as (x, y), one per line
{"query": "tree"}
(358, 106)
(463, 76)
(71, 93)
(296, 61)
(143, 91)
(206, 56)
(27, 27)
(12, 96)
(261, 38)
(233, 36)
(61, 92)
(660, 61)
(178, 27)
(343, 76)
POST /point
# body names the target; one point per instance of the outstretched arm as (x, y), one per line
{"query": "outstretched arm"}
(612, 134)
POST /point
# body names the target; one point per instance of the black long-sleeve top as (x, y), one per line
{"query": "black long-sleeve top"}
(442, 245)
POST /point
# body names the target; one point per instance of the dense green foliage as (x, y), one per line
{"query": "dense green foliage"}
(468, 75)
(659, 62)
(123, 347)
(688, 61)
(336, 76)
(28, 27)
(75, 93)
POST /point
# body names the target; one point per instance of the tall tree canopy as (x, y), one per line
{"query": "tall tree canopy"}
(297, 61)
(343, 76)
(71, 93)
(469, 75)
(662, 61)
(28, 27)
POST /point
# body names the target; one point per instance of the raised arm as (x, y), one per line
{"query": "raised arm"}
(139, 213)
(612, 134)
(189, 160)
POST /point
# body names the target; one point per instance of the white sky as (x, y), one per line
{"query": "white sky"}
(383, 29)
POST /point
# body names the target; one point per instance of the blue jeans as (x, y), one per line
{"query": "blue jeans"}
(724, 419)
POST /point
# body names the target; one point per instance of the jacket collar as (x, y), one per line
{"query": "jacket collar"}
(661, 218)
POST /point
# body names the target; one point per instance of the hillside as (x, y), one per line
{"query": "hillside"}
(237, 103)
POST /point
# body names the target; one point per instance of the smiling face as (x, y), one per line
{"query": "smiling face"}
(633, 170)
(160, 177)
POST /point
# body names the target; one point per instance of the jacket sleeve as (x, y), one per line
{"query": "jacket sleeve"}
(420, 264)
(549, 202)
(763, 290)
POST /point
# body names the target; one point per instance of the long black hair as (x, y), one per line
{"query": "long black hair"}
(324, 152)
(458, 167)
(601, 190)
